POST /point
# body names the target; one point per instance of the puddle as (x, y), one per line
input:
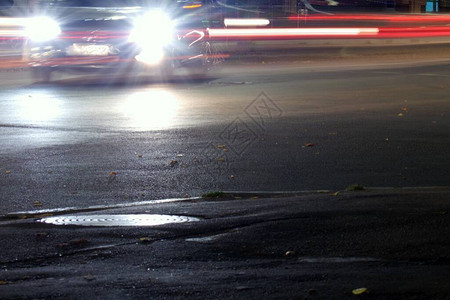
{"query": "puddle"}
(117, 220)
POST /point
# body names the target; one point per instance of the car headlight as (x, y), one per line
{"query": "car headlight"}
(154, 29)
(41, 29)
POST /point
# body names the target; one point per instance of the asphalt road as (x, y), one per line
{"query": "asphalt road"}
(305, 124)
(383, 244)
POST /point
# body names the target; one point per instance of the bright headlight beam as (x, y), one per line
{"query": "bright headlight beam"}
(154, 28)
(41, 29)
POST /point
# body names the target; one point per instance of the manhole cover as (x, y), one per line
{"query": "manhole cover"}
(117, 220)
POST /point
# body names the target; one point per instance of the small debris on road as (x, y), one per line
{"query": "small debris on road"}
(360, 291)
(290, 253)
(145, 240)
(173, 163)
(355, 187)
(89, 277)
(213, 194)
(112, 176)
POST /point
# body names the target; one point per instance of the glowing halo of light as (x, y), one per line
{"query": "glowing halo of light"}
(150, 110)
(42, 28)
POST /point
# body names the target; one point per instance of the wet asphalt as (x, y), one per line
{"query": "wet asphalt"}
(383, 244)
(301, 124)
(256, 124)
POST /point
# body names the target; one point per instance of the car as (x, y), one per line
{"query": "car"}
(120, 36)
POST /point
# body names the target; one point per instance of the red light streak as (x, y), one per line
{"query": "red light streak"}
(389, 18)
(310, 33)
(290, 33)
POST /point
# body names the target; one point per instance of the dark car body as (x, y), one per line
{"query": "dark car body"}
(95, 34)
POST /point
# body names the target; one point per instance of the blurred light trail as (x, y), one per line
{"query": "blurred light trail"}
(274, 33)
(407, 32)
(12, 22)
(11, 27)
(192, 6)
(311, 33)
(366, 17)
(246, 22)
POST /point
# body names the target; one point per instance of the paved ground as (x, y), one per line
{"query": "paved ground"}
(394, 243)
(358, 116)
(376, 119)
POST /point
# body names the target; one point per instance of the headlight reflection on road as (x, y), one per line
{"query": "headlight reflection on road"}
(38, 107)
(149, 110)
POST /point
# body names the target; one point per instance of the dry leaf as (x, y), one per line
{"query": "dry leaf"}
(79, 242)
(37, 203)
(289, 253)
(360, 291)
(89, 277)
(112, 173)
(173, 163)
(40, 216)
(144, 240)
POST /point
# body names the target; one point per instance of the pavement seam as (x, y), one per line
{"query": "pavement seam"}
(67, 210)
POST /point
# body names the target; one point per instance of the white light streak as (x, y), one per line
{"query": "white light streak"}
(246, 22)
